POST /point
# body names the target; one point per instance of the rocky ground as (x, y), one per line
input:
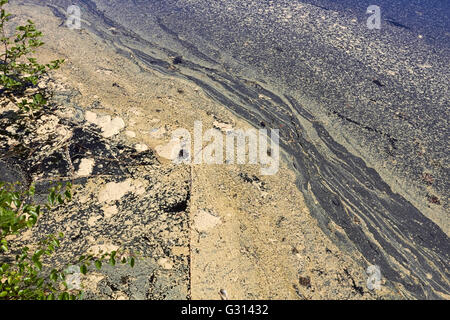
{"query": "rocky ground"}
(198, 229)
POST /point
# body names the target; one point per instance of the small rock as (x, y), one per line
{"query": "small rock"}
(93, 220)
(109, 211)
(110, 127)
(223, 294)
(305, 281)
(171, 150)
(113, 191)
(141, 147)
(11, 130)
(204, 221)
(165, 263)
(86, 167)
(90, 117)
(113, 127)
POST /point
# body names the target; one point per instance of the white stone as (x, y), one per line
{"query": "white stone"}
(11, 130)
(86, 167)
(109, 211)
(171, 150)
(116, 190)
(113, 128)
(204, 221)
(141, 147)
(165, 263)
(110, 127)
(91, 117)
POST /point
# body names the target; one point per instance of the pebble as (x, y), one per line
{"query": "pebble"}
(130, 134)
(140, 147)
(165, 263)
(110, 127)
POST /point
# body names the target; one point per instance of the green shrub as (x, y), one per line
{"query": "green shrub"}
(23, 272)
(27, 277)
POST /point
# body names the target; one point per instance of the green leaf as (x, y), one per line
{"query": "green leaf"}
(39, 282)
(83, 269)
(39, 253)
(64, 296)
(54, 275)
(38, 264)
